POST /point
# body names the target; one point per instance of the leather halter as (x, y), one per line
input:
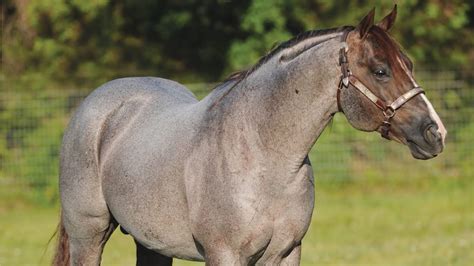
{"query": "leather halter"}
(388, 110)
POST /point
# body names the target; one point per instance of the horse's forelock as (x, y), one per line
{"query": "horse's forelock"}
(392, 50)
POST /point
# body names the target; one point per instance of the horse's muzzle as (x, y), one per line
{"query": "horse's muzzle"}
(427, 146)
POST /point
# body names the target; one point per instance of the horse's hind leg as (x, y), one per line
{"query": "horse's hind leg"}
(87, 237)
(146, 257)
(85, 215)
(87, 221)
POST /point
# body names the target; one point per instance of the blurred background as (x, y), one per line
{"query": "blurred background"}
(375, 204)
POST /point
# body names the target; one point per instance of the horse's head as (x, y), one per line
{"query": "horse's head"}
(379, 93)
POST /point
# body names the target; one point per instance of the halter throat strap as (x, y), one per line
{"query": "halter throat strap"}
(388, 110)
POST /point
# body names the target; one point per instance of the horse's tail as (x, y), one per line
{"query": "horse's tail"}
(61, 256)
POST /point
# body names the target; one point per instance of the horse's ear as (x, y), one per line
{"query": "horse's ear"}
(387, 22)
(366, 23)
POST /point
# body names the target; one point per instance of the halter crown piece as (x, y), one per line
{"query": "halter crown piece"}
(388, 110)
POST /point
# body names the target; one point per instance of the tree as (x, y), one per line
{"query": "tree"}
(205, 40)
(436, 34)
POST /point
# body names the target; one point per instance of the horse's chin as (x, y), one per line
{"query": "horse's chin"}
(419, 153)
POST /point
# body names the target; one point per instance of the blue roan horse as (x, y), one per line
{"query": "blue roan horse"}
(227, 180)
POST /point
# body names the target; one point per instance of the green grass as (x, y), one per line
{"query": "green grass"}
(352, 225)
(430, 227)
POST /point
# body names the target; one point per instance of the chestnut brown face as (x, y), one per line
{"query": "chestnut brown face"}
(379, 63)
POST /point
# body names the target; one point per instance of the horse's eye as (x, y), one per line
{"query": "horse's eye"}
(380, 73)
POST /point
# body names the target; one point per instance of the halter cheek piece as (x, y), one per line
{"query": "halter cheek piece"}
(388, 110)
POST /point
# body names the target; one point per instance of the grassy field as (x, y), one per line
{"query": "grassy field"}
(352, 225)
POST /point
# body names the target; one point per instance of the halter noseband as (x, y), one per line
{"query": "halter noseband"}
(388, 110)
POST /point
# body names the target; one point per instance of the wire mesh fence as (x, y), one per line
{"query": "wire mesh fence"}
(32, 121)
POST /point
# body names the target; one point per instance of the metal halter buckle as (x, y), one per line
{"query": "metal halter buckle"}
(389, 112)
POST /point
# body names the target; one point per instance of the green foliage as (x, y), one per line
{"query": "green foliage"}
(465, 152)
(30, 144)
(42, 159)
(205, 40)
(91, 39)
(434, 33)
(264, 24)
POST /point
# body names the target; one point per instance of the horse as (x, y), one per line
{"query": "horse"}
(227, 179)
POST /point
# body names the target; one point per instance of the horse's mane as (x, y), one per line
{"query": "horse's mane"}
(385, 42)
(239, 75)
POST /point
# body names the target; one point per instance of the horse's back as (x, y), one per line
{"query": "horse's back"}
(162, 92)
(110, 109)
(114, 105)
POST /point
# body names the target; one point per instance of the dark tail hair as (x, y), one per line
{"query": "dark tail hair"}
(61, 256)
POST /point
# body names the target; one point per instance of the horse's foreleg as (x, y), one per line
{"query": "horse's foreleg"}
(293, 259)
(223, 258)
(146, 257)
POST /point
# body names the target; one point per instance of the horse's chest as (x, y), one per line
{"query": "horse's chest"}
(258, 219)
(290, 214)
(283, 221)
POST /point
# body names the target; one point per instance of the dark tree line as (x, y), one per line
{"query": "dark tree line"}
(205, 40)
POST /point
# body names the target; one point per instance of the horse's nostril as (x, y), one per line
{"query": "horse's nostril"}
(432, 135)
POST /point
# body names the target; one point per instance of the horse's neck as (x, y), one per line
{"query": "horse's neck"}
(282, 108)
